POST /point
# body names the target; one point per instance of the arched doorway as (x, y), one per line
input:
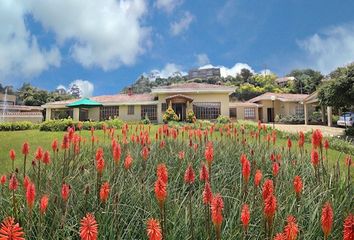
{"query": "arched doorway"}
(179, 104)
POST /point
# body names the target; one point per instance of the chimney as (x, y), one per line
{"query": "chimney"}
(130, 91)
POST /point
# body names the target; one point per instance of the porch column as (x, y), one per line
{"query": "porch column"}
(48, 114)
(323, 115)
(329, 116)
(306, 114)
(76, 114)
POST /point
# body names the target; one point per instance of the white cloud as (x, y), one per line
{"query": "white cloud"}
(331, 48)
(182, 25)
(86, 87)
(103, 34)
(225, 71)
(167, 5)
(60, 86)
(202, 59)
(170, 69)
(20, 54)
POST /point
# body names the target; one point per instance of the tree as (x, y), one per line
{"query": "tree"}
(75, 91)
(338, 91)
(306, 80)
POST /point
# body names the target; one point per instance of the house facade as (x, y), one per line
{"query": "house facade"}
(206, 100)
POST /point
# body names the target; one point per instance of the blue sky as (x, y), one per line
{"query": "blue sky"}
(104, 45)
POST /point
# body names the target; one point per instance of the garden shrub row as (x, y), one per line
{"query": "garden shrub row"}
(17, 126)
(63, 124)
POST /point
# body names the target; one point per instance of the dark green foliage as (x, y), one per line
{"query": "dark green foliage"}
(16, 126)
(306, 80)
(63, 124)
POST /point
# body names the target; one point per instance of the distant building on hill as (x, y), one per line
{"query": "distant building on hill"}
(283, 81)
(204, 73)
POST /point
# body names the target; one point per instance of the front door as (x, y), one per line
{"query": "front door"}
(180, 110)
(270, 114)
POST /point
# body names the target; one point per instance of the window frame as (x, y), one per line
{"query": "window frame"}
(131, 110)
(207, 110)
(233, 109)
(247, 112)
(107, 112)
(151, 111)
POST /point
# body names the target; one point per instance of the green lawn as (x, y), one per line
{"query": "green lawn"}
(14, 140)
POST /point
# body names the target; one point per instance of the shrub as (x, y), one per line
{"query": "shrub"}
(292, 119)
(63, 124)
(146, 120)
(191, 117)
(169, 115)
(349, 131)
(222, 119)
(16, 126)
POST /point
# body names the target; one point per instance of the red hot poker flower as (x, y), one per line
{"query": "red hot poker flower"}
(245, 216)
(46, 158)
(3, 180)
(257, 177)
(246, 170)
(291, 229)
(289, 143)
(279, 236)
(160, 191)
(13, 183)
(55, 145)
(267, 189)
(88, 228)
(298, 185)
(43, 205)
(181, 155)
(204, 174)
(316, 138)
(314, 157)
(25, 148)
(217, 206)
(153, 229)
(348, 228)
(99, 153)
(104, 192)
(275, 169)
(327, 219)
(12, 154)
(145, 153)
(270, 206)
(30, 195)
(65, 192)
(117, 152)
(39, 154)
(189, 175)
(10, 230)
(128, 162)
(326, 144)
(207, 194)
(162, 172)
(100, 165)
(301, 139)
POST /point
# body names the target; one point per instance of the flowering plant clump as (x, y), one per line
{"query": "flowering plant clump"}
(170, 115)
(176, 181)
(191, 118)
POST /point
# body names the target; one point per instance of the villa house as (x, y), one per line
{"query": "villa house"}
(207, 101)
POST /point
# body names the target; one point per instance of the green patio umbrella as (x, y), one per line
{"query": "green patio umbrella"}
(85, 103)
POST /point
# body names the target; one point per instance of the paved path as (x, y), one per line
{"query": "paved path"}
(327, 131)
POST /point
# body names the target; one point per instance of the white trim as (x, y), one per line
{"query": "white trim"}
(163, 91)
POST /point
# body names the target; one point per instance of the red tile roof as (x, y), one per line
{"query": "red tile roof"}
(193, 87)
(284, 97)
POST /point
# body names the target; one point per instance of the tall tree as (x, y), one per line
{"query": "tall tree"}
(75, 91)
(306, 80)
(338, 91)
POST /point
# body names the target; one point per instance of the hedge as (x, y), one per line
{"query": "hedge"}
(63, 124)
(17, 126)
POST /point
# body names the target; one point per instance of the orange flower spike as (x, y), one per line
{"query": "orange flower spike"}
(160, 191)
(291, 229)
(270, 206)
(246, 171)
(128, 162)
(348, 228)
(26, 182)
(46, 157)
(13, 183)
(217, 206)
(275, 169)
(204, 174)
(88, 228)
(298, 185)
(189, 175)
(55, 145)
(43, 205)
(162, 173)
(3, 180)
(289, 143)
(257, 177)
(267, 189)
(314, 157)
(326, 144)
(104, 192)
(316, 138)
(279, 236)
(100, 163)
(12, 154)
(30, 195)
(207, 194)
(117, 152)
(10, 230)
(153, 229)
(65, 192)
(99, 153)
(245, 216)
(39, 154)
(25, 148)
(327, 219)
(145, 153)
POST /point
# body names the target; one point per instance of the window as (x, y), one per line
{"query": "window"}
(299, 109)
(150, 111)
(131, 110)
(62, 113)
(109, 112)
(163, 107)
(207, 110)
(233, 112)
(250, 113)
